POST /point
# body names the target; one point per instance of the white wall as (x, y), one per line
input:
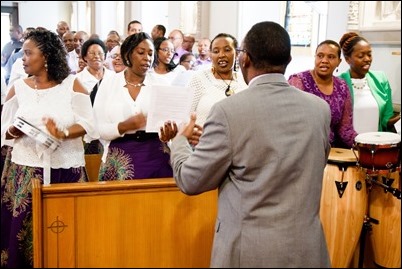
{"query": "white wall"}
(103, 26)
(174, 10)
(160, 14)
(252, 12)
(237, 17)
(45, 14)
(337, 19)
(385, 60)
(223, 18)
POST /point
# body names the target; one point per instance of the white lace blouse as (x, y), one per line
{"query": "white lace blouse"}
(62, 104)
(208, 90)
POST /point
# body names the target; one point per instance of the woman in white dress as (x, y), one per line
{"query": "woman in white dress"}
(58, 105)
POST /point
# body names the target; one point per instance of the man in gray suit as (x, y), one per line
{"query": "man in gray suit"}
(265, 148)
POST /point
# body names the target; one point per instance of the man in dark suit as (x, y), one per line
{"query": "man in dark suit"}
(265, 149)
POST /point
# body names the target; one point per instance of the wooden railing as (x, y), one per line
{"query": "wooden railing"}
(132, 223)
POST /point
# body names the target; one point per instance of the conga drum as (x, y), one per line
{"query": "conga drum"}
(378, 151)
(385, 237)
(344, 200)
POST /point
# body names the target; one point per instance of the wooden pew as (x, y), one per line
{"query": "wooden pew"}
(132, 223)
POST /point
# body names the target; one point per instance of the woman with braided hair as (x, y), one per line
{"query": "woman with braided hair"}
(370, 90)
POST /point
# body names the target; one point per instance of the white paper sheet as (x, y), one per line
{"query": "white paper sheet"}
(398, 126)
(168, 103)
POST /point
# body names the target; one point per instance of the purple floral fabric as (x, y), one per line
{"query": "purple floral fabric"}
(342, 133)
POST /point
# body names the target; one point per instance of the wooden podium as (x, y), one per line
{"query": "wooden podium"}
(132, 223)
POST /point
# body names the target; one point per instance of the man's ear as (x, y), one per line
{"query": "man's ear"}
(289, 60)
(245, 60)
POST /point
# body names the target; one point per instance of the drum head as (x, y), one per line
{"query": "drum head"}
(341, 155)
(378, 138)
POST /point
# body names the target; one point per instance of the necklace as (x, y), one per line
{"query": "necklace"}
(359, 84)
(135, 85)
(36, 91)
(130, 83)
(228, 91)
(44, 90)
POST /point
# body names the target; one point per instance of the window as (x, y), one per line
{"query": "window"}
(299, 23)
(190, 17)
(306, 22)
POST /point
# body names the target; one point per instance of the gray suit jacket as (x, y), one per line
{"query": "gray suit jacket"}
(265, 148)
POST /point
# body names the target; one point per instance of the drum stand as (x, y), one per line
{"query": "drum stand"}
(367, 226)
(372, 179)
(386, 184)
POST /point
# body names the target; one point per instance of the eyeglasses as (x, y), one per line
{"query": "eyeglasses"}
(93, 54)
(238, 50)
(191, 62)
(173, 38)
(112, 41)
(167, 50)
(114, 56)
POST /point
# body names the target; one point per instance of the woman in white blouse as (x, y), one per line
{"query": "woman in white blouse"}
(213, 84)
(58, 105)
(121, 109)
(164, 69)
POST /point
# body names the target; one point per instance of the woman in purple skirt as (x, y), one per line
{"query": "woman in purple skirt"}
(120, 109)
(47, 115)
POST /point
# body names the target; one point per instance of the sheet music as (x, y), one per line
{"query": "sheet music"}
(168, 103)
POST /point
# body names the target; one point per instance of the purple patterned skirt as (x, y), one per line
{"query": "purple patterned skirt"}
(137, 156)
(16, 208)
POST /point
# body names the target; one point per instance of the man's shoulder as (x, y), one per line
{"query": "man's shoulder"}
(7, 46)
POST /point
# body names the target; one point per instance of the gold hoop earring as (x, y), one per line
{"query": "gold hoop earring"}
(213, 70)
